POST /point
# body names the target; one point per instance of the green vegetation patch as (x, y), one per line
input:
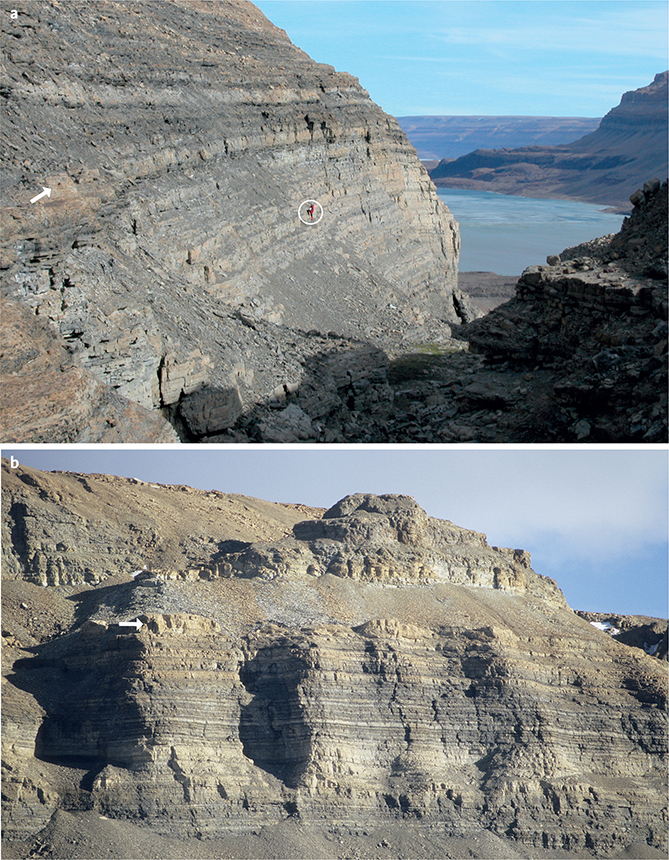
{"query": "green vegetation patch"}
(420, 363)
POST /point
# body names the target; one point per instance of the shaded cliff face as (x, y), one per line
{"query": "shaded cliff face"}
(466, 709)
(596, 317)
(179, 140)
(606, 166)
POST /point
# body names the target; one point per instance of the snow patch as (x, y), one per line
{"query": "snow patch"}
(606, 627)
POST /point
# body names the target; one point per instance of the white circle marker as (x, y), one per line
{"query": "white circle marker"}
(312, 207)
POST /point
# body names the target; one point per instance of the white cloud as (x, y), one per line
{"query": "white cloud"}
(625, 32)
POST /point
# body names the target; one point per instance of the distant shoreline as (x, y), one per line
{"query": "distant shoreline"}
(488, 289)
(480, 185)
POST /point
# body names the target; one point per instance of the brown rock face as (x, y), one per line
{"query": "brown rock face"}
(179, 140)
(47, 397)
(605, 166)
(260, 693)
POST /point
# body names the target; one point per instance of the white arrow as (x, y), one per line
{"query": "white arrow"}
(136, 624)
(45, 193)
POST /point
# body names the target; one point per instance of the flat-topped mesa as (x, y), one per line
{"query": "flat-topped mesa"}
(389, 539)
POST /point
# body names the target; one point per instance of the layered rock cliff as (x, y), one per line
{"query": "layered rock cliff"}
(179, 140)
(605, 166)
(376, 674)
(168, 290)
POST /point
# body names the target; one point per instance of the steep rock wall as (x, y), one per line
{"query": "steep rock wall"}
(553, 737)
(257, 690)
(179, 140)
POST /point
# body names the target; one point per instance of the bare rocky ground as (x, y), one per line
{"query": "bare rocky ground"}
(88, 836)
(578, 355)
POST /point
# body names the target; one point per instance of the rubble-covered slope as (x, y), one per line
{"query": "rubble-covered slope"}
(595, 318)
(178, 140)
(374, 670)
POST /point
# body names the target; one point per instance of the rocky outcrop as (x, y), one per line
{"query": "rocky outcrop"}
(605, 166)
(597, 317)
(179, 140)
(638, 631)
(268, 692)
(48, 397)
(579, 355)
(71, 529)
(389, 539)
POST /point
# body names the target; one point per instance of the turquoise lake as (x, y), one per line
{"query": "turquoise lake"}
(505, 234)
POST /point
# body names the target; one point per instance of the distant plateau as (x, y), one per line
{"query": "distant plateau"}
(437, 137)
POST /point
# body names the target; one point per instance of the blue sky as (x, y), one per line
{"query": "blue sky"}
(488, 57)
(595, 520)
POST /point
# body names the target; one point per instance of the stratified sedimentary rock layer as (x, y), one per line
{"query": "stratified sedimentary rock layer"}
(370, 667)
(179, 140)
